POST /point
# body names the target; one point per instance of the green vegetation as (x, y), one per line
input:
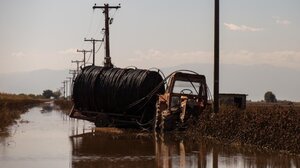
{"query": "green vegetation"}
(274, 127)
(12, 106)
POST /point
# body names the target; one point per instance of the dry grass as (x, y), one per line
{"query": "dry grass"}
(271, 126)
(12, 106)
(64, 105)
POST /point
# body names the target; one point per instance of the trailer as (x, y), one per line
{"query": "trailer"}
(134, 98)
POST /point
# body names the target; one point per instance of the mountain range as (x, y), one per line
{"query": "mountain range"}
(33, 81)
(254, 80)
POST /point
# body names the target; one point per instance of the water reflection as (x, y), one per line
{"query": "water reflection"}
(47, 107)
(52, 139)
(104, 149)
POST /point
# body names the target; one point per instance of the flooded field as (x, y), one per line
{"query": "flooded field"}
(45, 137)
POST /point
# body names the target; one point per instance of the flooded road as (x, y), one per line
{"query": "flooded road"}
(45, 137)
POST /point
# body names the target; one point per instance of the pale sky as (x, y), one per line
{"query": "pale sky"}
(40, 34)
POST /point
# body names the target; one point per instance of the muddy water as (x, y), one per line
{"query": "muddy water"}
(48, 138)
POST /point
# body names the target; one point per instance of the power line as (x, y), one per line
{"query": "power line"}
(99, 46)
(73, 73)
(89, 58)
(77, 62)
(89, 27)
(84, 53)
(94, 43)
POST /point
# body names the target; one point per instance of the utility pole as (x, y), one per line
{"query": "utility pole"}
(77, 62)
(66, 81)
(73, 73)
(216, 56)
(94, 43)
(71, 86)
(106, 7)
(84, 53)
(64, 89)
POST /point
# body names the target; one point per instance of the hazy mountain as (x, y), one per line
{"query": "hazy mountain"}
(32, 82)
(252, 80)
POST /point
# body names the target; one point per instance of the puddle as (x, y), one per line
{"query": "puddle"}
(49, 138)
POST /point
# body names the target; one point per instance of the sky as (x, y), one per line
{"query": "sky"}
(40, 34)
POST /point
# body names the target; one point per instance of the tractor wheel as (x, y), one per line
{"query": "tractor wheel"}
(168, 123)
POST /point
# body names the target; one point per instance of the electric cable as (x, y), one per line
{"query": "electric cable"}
(111, 90)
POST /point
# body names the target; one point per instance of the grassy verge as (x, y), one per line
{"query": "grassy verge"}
(12, 106)
(273, 127)
(64, 105)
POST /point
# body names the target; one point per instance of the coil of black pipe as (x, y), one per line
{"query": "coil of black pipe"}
(117, 91)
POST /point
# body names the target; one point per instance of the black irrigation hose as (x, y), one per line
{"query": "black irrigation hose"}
(119, 91)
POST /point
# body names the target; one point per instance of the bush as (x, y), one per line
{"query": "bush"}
(12, 106)
(270, 97)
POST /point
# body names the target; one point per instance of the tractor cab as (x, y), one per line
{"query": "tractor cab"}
(185, 98)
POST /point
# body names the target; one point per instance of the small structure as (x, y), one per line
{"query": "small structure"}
(232, 99)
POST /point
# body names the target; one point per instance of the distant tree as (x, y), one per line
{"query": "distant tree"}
(47, 94)
(270, 97)
(56, 94)
(32, 95)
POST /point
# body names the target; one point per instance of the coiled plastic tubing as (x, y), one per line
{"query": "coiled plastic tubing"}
(117, 91)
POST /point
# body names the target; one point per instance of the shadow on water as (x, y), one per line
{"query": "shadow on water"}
(146, 150)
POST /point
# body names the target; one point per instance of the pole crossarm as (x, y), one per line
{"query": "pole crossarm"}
(71, 71)
(77, 63)
(106, 7)
(94, 44)
(84, 55)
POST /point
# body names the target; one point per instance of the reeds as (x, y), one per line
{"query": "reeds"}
(64, 105)
(12, 106)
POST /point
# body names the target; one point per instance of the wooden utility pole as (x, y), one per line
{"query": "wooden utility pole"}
(84, 53)
(72, 72)
(217, 56)
(77, 62)
(71, 86)
(94, 43)
(106, 7)
(64, 88)
(66, 81)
